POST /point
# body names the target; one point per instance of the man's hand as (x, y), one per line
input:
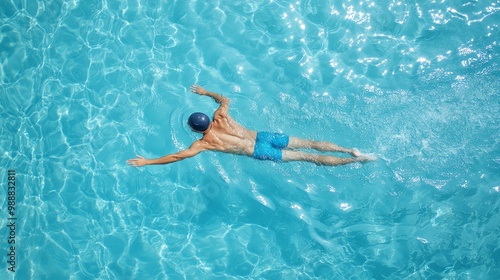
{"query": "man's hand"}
(199, 90)
(138, 161)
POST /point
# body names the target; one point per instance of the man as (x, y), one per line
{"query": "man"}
(224, 134)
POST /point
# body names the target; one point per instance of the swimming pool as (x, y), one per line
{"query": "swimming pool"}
(86, 86)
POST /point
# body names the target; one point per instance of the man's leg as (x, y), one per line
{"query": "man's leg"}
(297, 143)
(321, 159)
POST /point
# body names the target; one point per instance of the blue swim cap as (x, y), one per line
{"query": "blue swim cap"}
(199, 122)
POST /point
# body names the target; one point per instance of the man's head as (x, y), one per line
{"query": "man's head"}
(199, 122)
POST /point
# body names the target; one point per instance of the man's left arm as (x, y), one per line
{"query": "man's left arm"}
(195, 149)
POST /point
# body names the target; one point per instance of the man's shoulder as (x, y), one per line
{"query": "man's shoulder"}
(200, 144)
(205, 143)
(221, 116)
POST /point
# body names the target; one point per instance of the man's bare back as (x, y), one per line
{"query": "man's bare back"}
(224, 134)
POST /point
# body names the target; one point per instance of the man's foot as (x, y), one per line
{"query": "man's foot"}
(355, 152)
(365, 158)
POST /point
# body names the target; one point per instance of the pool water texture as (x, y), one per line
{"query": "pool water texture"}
(86, 85)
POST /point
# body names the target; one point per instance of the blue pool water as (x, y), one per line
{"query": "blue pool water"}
(86, 85)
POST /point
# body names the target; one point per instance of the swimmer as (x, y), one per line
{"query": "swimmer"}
(224, 134)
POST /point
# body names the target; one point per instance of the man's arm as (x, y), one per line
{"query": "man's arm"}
(195, 149)
(223, 101)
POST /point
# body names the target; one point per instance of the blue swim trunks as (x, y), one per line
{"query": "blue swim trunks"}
(268, 146)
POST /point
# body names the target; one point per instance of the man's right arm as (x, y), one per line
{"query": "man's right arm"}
(223, 101)
(217, 97)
